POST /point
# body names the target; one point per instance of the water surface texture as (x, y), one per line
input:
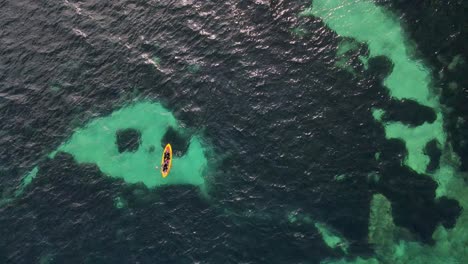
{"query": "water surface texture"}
(324, 131)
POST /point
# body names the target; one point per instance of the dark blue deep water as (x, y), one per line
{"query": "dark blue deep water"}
(283, 121)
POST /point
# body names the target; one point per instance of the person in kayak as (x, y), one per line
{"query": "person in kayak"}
(166, 161)
(167, 156)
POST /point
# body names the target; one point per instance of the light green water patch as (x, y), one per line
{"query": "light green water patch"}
(30, 176)
(156, 60)
(292, 217)
(346, 45)
(344, 60)
(373, 177)
(5, 201)
(450, 244)
(47, 258)
(344, 55)
(331, 237)
(339, 177)
(345, 63)
(193, 68)
(368, 23)
(365, 61)
(415, 138)
(27, 180)
(120, 202)
(358, 260)
(378, 114)
(96, 143)
(456, 61)
(381, 227)
(377, 156)
(54, 88)
(299, 31)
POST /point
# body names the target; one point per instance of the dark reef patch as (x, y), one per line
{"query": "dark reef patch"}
(413, 202)
(71, 203)
(128, 140)
(179, 142)
(284, 119)
(434, 152)
(379, 67)
(449, 210)
(414, 205)
(440, 28)
(409, 112)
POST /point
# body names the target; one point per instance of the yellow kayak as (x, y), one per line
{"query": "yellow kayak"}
(166, 161)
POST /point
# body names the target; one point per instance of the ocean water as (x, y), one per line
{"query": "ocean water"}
(324, 131)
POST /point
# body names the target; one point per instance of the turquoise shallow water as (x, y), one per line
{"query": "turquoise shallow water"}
(409, 78)
(324, 132)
